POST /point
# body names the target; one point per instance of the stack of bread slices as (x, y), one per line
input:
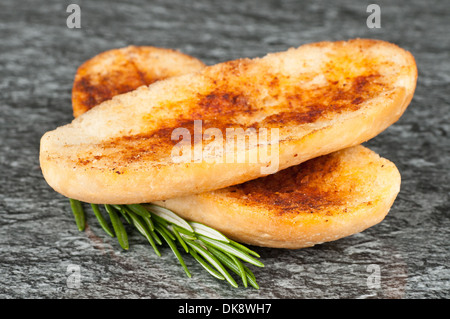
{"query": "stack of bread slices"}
(266, 150)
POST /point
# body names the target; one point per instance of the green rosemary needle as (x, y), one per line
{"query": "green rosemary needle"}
(180, 239)
(231, 250)
(173, 246)
(119, 229)
(213, 261)
(206, 266)
(235, 265)
(141, 227)
(102, 220)
(138, 209)
(244, 248)
(78, 213)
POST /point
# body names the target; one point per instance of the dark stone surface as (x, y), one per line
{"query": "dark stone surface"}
(38, 238)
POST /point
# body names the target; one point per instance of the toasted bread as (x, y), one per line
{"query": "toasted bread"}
(123, 70)
(322, 97)
(321, 200)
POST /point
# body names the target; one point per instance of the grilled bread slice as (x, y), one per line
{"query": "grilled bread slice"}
(122, 70)
(320, 97)
(321, 200)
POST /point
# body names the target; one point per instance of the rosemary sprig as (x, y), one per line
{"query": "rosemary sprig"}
(211, 249)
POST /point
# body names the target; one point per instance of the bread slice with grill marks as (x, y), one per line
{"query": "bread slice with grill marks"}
(122, 70)
(321, 98)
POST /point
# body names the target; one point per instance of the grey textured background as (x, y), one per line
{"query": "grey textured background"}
(38, 238)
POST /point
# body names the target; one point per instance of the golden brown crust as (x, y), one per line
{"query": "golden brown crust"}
(323, 97)
(118, 71)
(321, 200)
(307, 187)
(231, 107)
